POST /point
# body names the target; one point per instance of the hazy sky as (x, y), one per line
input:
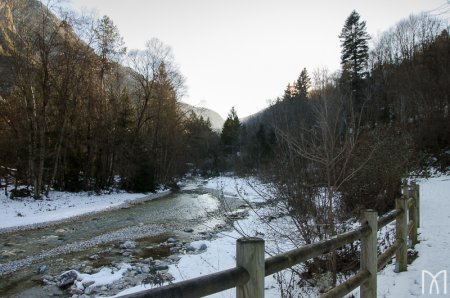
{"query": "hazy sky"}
(243, 53)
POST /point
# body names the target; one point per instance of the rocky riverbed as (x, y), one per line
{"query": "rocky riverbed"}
(136, 254)
(131, 266)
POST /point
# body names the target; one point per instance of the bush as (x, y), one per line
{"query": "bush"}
(385, 153)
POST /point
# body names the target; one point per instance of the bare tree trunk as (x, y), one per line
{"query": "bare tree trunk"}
(57, 155)
(42, 151)
(34, 147)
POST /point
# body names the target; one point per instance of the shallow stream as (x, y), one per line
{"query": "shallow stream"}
(59, 246)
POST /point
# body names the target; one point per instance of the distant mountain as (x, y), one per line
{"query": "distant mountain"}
(216, 120)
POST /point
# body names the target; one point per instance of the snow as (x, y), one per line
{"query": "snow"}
(61, 205)
(105, 276)
(433, 249)
(220, 253)
(434, 234)
(249, 189)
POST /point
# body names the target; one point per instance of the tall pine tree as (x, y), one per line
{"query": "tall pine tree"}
(230, 133)
(303, 84)
(354, 55)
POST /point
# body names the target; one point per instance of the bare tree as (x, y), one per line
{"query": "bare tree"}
(317, 155)
(158, 85)
(35, 44)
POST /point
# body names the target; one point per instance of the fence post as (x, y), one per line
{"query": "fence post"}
(250, 255)
(402, 234)
(413, 216)
(416, 195)
(369, 255)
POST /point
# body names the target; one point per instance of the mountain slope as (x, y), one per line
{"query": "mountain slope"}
(215, 119)
(12, 13)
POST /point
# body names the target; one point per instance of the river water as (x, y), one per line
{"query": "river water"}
(59, 246)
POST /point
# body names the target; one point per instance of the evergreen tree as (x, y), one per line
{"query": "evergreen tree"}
(355, 53)
(303, 84)
(108, 44)
(230, 133)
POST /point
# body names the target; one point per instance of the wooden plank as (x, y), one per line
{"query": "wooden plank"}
(384, 258)
(197, 287)
(288, 259)
(388, 217)
(348, 286)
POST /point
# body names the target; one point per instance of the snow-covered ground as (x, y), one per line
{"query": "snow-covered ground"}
(60, 205)
(280, 235)
(433, 249)
(220, 254)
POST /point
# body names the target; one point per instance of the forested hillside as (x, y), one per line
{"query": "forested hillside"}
(74, 118)
(359, 130)
(338, 143)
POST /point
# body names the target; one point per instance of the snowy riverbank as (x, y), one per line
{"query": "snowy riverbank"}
(23, 213)
(220, 250)
(433, 256)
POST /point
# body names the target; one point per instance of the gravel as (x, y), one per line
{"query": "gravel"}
(128, 233)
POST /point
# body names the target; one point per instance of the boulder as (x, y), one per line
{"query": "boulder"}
(7, 254)
(174, 250)
(161, 267)
(60, 232)
(128, 245)
(127, 253)
(90, 290)
(67, 278)
(171, 240)
(174, 258)
(87, 283)
(75, 291)
(88, 270)
(42, 269)
(190, 248)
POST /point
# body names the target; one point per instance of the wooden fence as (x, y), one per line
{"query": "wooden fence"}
(251, 267)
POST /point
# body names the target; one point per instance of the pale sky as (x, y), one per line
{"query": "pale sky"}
(243, 53)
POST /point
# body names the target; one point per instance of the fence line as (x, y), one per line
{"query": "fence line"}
(248, 275)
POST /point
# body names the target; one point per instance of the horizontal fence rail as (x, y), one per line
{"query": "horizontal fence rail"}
(348, 286)
(248, 275)
(198, 287)
(388, 217)
(283, 261)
